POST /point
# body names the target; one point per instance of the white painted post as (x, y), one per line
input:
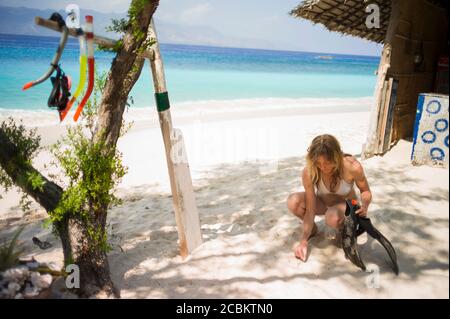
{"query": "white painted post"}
(186, 214)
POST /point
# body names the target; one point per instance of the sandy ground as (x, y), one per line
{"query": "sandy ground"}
(248, 233)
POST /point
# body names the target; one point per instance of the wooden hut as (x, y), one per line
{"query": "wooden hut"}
(414, 37)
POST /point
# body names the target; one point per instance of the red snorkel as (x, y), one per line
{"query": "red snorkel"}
(89, 32)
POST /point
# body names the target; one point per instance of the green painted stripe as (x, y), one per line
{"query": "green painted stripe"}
(162, 101)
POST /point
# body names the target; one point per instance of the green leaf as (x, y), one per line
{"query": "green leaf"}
(10, 252)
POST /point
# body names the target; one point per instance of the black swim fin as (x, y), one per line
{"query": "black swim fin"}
(366, 225)
(349, 238)
(355, 225)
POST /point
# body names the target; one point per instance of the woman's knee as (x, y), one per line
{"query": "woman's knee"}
(295, 203)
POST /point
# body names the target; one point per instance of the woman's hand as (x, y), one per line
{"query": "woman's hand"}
(362, 211)
(301, 251)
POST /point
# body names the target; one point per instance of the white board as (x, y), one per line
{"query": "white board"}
(430, 144)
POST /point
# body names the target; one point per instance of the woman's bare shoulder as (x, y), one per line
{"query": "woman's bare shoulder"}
(352, 165)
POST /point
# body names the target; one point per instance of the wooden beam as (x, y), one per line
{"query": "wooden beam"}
(103, 41)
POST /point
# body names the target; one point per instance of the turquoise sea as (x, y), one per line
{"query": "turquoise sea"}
(193, 73)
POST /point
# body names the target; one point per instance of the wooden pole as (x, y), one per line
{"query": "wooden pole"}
(186, 214)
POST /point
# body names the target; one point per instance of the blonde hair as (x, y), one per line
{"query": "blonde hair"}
(328, 146)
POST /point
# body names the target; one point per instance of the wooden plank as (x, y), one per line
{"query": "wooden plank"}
(370, 146)
(385, 114)
(380, 116)
(185, 207)
(390, 117)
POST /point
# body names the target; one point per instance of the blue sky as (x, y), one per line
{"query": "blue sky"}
(250, 23)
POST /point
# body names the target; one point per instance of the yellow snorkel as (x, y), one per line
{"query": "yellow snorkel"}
(89, 33)
(83, 68)
(73, 20)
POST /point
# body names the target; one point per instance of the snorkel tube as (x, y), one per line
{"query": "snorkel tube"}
(90, 59)
(54, 64)
(83, 61)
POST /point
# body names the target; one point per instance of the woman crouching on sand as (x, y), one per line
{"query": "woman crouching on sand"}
(328, 179)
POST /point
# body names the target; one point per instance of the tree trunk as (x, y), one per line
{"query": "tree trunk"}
(125, 71)
(90, 258)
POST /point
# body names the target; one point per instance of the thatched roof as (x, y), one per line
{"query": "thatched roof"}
(345, 16)
(349, 16)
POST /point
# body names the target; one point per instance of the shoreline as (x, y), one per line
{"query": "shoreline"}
(209, 110)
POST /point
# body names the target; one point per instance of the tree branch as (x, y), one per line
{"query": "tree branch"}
(47, 196)
(124, 73)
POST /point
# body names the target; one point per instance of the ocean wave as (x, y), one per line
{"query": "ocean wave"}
(35, 118)
(206, 107)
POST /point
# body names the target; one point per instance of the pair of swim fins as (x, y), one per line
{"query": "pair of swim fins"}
(355, 225)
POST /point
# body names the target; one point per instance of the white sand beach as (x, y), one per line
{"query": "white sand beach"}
(244, 163)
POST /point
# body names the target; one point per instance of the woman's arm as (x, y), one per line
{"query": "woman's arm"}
(308, 219)
(361, 181)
